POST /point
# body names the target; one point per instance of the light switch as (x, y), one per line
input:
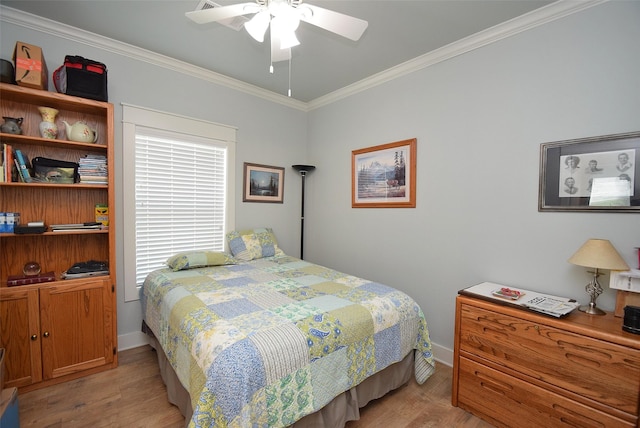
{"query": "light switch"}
(625, 280)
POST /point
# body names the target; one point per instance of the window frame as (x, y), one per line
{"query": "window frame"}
(133, 117)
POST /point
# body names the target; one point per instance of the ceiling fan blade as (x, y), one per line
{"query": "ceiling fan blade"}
(278, 54)
(339, 23)
(220, 13)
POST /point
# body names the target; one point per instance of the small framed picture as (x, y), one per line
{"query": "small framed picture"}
(384, 176)
(263, 183)
(591, 174)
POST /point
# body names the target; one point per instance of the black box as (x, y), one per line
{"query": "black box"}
(82, 77)
(631, 321)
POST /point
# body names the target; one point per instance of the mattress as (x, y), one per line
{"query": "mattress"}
(269, 341)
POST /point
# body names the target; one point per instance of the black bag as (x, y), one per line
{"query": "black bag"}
(81, 77)
(55, 171)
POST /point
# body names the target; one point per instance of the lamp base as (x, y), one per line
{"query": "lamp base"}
(591, 309)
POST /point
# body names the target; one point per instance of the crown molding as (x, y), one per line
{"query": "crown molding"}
(533, 19)
(544, 15)
(57, 29)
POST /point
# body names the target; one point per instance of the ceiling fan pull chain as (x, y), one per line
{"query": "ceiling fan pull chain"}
(289, 77)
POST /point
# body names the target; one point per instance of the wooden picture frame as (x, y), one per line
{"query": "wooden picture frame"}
(384, 176)
(263, 183)
(591, 174)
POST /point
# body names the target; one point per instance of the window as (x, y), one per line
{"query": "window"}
(178, 175)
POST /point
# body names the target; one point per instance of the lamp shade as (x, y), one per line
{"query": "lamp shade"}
(258, 25)
(600, 254)
(305, 168)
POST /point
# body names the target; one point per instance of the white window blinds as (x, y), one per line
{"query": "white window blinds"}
(178, 184)
(179, 197)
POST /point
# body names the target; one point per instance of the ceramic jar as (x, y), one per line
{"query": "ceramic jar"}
(11, 125)
(81, 132)
(48, 128)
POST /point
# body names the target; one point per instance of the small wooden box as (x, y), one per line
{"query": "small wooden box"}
(625, 298)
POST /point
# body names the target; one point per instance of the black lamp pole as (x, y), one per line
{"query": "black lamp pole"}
(302, 169)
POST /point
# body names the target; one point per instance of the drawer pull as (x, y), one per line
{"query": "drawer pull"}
(574, 419)
(34, 337)
(583, 361)
(493, 384)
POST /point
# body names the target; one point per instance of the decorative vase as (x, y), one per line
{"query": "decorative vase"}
(48, 128)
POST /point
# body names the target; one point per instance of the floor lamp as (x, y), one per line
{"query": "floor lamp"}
(303, 170)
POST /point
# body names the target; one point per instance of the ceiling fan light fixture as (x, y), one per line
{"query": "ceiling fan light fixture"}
(285, 26)
(257, 26)
(288, 40)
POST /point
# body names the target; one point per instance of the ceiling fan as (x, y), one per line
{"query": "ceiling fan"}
(282, 18)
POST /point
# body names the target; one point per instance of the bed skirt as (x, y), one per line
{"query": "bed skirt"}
(343, 408)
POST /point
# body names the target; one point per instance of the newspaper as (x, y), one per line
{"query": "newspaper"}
(544, 303)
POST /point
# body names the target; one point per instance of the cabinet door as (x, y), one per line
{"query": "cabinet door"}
(20, 336)
(76, 327)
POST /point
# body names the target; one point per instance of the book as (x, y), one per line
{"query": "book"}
(14, 280)
(75, 227)
(7, 150)
(22, 164)
(20, 176)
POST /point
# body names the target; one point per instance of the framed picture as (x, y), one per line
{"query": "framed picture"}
(263, 183)
(591, 174)
(384, 176)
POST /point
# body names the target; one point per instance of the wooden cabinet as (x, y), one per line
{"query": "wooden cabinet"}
(60, 330)
(516, 368)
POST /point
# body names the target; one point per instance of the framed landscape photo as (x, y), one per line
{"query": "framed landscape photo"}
(384, 176)
(263, 183)
(591, 174)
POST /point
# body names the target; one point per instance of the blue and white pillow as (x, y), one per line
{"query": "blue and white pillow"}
(199, 258)
(253, 244)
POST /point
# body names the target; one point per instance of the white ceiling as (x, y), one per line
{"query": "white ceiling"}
(398, 31)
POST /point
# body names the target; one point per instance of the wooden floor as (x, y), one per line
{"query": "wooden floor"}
(133, 395)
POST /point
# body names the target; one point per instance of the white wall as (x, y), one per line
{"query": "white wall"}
(480, 119)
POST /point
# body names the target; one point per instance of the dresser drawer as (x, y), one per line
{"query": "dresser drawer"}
(602, 371)
(507, 401)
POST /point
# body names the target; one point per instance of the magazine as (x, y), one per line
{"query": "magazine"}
(544, 303)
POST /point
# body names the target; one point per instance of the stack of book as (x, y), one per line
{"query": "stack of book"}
(75, 227)
(14, 165)
(93, 169)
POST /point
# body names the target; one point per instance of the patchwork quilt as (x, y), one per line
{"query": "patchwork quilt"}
(268, 341)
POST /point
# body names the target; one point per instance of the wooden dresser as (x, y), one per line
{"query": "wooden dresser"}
(516, 368)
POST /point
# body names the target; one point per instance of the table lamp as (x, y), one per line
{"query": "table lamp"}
(597, 254)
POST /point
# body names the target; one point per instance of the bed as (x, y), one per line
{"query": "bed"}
(255, 337)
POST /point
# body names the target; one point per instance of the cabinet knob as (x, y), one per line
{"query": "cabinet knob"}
(45, 334)
(34, 337)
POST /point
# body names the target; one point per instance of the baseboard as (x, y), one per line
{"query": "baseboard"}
(133, 340)
(442, 355)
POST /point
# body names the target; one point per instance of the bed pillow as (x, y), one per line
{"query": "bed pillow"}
(253, 244)
(199, 258)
